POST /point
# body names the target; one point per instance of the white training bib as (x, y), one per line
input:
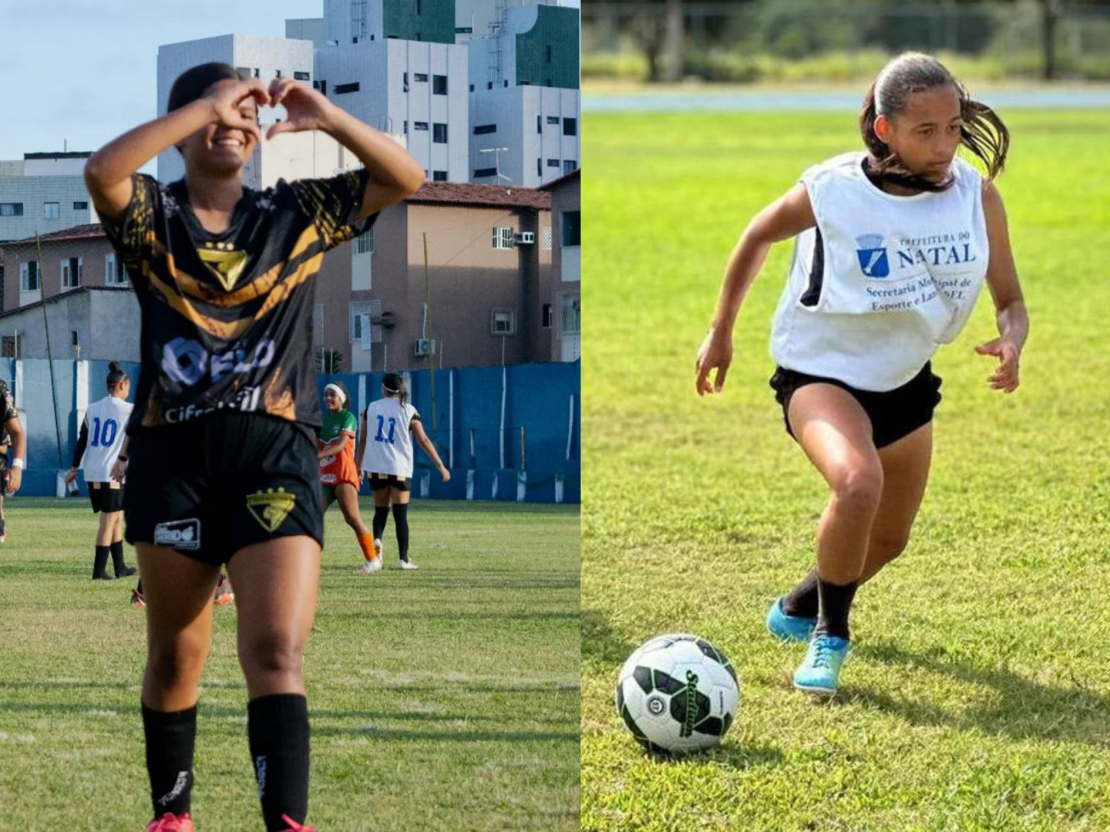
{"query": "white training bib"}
(106, 419)
(883, 280)
(388, 440)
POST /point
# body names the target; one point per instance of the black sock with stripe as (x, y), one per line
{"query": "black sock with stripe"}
(169, 758)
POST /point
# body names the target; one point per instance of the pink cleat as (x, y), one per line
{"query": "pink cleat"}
(172, 823)
(294, 826)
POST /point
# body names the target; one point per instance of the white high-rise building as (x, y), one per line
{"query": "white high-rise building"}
(525, 98)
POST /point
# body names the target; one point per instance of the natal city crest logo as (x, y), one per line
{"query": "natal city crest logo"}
(872, 255)
(269, 507)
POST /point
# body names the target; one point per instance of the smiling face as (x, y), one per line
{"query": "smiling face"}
(331, 401)
(926, 134)
(218, 149)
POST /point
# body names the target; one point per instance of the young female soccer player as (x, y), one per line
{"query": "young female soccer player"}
(338, 474)
(893, 246)
(11, 433)
(97, 449)
(223, 465)
(385, 451)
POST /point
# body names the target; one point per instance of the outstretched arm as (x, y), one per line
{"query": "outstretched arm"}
(784, 218)
(1009, 303)
(429, 448)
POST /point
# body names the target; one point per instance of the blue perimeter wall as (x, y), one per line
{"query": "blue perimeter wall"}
(544, 399)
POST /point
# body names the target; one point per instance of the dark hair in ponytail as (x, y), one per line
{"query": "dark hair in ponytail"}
(983, 132)
(116, 375)
(395, 384)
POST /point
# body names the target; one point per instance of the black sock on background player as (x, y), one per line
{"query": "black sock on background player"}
(277, 727)
(169, 758)
(121, 569)
(381, 515)
(401, 521)
(100, 564)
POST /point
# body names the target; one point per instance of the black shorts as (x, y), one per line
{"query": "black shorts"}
(106, 496)
(380, 481)
(210, 487)
(894, 414)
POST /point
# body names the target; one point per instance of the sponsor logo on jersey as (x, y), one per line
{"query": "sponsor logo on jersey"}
(872, 255)
(270, 507)
(181, 534)
(246, 399)
(187, 362)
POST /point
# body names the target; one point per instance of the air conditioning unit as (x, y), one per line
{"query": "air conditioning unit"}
(525, 238)
(423, 346)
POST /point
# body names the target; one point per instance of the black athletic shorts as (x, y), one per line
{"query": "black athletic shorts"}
(380, 481)
(894, 414)
(212, 486)
(106, 496)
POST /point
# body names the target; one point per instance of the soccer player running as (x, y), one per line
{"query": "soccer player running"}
(385, 454)
(11, 433)
(893, 246)
(108, 419)
(223, 465)
(339, 476)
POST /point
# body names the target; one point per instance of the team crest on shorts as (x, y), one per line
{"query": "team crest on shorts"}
(270, 507)
(872, 255)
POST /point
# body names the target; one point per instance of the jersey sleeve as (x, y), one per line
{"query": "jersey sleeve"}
(7, 408)
(132, 233)
(349, 424)
(334, 205)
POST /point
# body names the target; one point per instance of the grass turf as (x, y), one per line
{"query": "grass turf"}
(446, 698)
(977, 696)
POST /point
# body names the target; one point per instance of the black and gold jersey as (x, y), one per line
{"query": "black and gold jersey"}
(227, 318)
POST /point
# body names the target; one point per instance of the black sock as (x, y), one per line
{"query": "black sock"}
(836, 603)
(381, 515)
(277, 726)
(1, 526)
(100, 562)
(169, 758)
(118, 566)
(139, 588)
(802, 599)
(401, 521)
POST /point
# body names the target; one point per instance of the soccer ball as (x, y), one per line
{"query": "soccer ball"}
(678, 694)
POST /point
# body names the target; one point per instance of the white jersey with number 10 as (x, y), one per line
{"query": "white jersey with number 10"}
(388, 439)
(106, 420)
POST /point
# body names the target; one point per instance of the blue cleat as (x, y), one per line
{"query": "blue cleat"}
(788, 627)
(820, 669)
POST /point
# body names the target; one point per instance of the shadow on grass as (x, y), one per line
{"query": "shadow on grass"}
(600, 644)
(734, 755)
(1024, 710)
(406, 735)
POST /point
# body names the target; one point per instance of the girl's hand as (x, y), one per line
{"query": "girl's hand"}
(715, 352)
(227, 106)
(1005, 378)
(71, 476)
(305, 108)
(119, 470)
(445, 473)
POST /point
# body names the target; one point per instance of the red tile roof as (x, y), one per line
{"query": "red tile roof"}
(77, 232)
(494, 196)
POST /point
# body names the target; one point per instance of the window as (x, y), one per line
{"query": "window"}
(464, 30)
(323, 88)
(71, 273)
(547, 83)
(364, 242)
(489, 85)
(358, 309)
(547, 238)
(256, 72)
(439, 176)
(11, 209)
(74, 338)
(572, 228)
(570, 127)
(114, 272)
(244, 72)
(552, 119)
(406, 130)
(539, 167)
(502, 237)
(482, 129)
(439, 85)
(81, 205)
(51, 210)
(9, 347)
(420, 76)
(301, 76)
(472, 88)
(29, 276)
(553, 163)
(418, 7)
(278, 74)
(547, 316)
(547, 54)
(539, 124)
(480, 172)
(420, 125)
(439, 133)
(506, 83)
(568, 166)
(572, 314)
(342, 88)
(502, 322)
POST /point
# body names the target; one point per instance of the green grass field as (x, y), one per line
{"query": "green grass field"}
(978, 696)
(444, 699)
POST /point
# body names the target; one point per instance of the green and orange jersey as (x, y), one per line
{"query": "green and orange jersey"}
(226, 317)
(339, 467)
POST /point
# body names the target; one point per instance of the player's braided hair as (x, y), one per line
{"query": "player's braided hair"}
(983, 132)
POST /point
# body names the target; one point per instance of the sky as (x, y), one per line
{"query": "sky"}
(84, 71)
